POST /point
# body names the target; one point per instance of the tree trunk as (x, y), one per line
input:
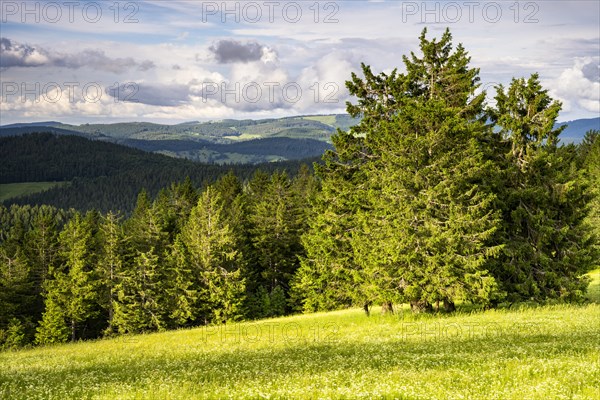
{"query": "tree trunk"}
(449, 306)
(387, 307)
(72, 330)
(419, 306)
(366, 308)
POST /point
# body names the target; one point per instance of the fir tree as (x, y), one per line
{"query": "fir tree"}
(418, 203)
(181, 290)
(72, 286)
(139, 306)
(548, 246)
(110, 263)
(53, 328)
(215, 260)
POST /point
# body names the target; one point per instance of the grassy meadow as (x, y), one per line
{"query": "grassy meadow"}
(549, 352)
(11, 190)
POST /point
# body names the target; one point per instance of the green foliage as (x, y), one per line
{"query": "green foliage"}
(71, 289)
(590, 154)
(138, 303)
(431, 200)
(544, 198)
(214, 259)
(274, 220)
(182, 293)
(104, 176)
(406, 194)
(14, 337)
(53, 327)
(112, 248)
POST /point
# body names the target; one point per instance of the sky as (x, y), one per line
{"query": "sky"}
(177, 61)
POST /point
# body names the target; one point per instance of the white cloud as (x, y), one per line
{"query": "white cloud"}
(168, 53)
(578, 86)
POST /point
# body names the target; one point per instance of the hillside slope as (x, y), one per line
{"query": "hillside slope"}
(539, 353)
(225, 142)
(103, 176)
(235, 141)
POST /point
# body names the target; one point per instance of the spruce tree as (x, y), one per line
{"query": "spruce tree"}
(53, 327)
(139, 306)
(275, 222)
(214, 260)
(181, 289)
(418, 202)
(592, 167)
(141, 302)
(110, 263)
(548, 246)
(328, 277)
(70, 291)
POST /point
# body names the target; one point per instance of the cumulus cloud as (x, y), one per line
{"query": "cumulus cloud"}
(579, 86)
(15, 54)
(229, 51)
(591, 71)
(165, 95)
(325, 81)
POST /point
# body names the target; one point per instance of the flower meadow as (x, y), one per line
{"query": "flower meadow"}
(526, 352)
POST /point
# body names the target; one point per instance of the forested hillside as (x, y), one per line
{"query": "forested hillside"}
(222, 142)
(103, 176)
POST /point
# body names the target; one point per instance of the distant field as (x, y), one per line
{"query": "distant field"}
(548, 352)
(10, 190)
(243, 136)
(324, 119)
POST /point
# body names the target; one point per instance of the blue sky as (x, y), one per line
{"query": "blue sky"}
(176, 61)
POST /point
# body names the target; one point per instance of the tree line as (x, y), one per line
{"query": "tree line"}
(223, 253)
(433, 198)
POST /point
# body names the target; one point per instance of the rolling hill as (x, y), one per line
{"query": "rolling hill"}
(530, 353)
(224, 142)
(232, 141)
(102, 175)
(575, 130)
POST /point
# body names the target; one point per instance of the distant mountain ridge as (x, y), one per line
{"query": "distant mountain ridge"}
(576, 129)
(232, 141)
(226, 141)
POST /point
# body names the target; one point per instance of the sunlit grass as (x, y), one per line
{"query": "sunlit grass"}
(593, 293)
(549, 352)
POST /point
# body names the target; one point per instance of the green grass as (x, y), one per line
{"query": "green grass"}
(11, 190)
(242, 137)
(324, 119)
(546, 352)
(593, 293)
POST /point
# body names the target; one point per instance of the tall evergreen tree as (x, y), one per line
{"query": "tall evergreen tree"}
(215, 260)
(71, 290)
(591, 160)
(548, 246)
(110, 263)
(141, 284)
(139, 306)
(276, 222)
(418, 201)
(181, 289)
